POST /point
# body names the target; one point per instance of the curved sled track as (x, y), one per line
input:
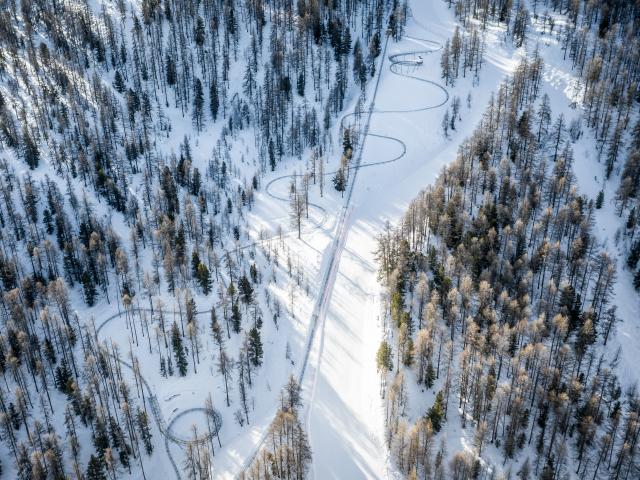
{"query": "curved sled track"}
(398, 60)
(164, 428)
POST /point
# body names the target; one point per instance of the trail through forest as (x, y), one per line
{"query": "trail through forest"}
(345, 419)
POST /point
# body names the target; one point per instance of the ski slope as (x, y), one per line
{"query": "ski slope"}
(345, 417)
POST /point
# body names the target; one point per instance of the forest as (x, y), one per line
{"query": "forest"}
(178, 214)
(134, 137)
(500, 297)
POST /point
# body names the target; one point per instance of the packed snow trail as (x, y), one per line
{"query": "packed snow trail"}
(412, 59)
(333, 254)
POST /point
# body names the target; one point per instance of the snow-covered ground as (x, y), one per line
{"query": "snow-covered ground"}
(345, 411)
(564, 89)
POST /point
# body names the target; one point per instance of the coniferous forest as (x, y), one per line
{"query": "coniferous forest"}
(277, 239)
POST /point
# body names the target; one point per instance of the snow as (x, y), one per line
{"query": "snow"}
(564, 88)
(345, 410)
(344, 413)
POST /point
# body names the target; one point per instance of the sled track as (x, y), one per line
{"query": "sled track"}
(164, 428)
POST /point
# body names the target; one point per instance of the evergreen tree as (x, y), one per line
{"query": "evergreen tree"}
(89, 289)
(245, 289)
(436, 412)
(634, 255)
(255, 347)
(204, 278)
(272, 156)
(340, 181)
(142, 420)
(429, 376)
(214, 102)
(198, 103)
(178, 350)
(63, 376)
(172, 74)
(95, 469)
(118, 82)
(600, 199)
(195, 263)
(384, 357)
(100, 436)
(30, 150)
(14, 416)
(236, 318)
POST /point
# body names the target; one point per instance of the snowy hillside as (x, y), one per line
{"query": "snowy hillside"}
(319, 239)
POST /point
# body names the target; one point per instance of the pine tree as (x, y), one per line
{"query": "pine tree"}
(142, 420)
(14, 416)
(30, 150)
(236, 318)
(384, 357)
(198, 103)
(89, 289)
(429, 376)
(272, 156)
(100, 436)
(436, 412)
(204, 278)
(636, 280)
(214, 102)
(163, 367)
(255, 347)
(195, 262)
(340, 181)
(63, 376)
(245, 289)
(47, 219)
(171, 71)
(118, 82)
(178, 350)
(95, 469)
(634, 255)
